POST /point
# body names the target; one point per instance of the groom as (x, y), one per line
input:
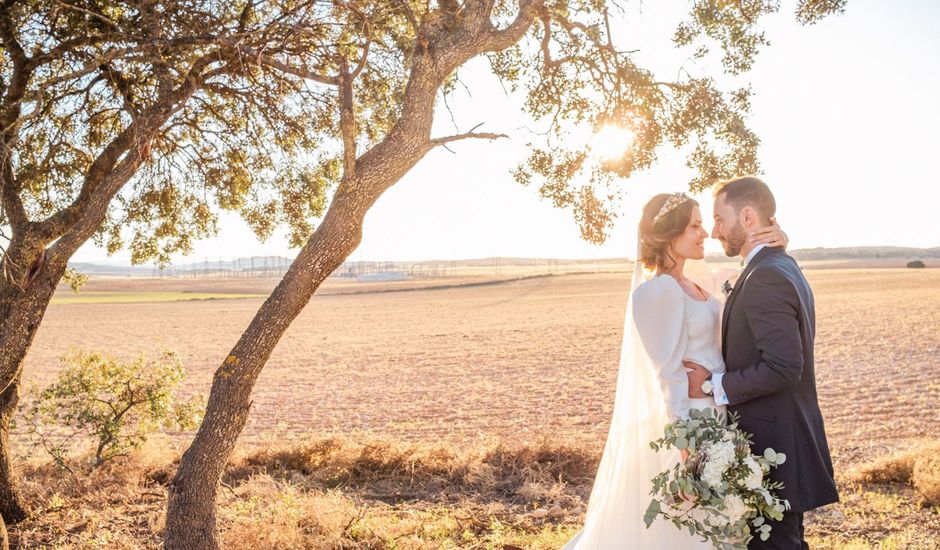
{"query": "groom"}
(767, 329)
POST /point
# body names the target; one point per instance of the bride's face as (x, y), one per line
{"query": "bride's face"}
(691, 243)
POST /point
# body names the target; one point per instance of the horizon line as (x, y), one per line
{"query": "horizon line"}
(217, 259)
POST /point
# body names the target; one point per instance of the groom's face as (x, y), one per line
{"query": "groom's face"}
(728, 227)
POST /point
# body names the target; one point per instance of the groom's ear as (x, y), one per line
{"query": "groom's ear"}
(748, 216)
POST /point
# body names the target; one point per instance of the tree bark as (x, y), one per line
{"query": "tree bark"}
(24, 297)
(4, 537)
(191, 511)
(13, 507)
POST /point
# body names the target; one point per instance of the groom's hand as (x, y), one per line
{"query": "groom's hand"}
(697, 375)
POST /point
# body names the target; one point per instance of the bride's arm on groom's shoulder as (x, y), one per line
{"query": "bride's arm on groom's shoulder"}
(659, 315)
(771, 235)
(773, 320)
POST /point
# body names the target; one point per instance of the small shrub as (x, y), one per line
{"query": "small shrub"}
(895, 468)
(926, 478)
(918, 466)
(116, 403)
(916, 264)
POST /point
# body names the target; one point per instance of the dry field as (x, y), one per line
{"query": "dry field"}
(528, 362)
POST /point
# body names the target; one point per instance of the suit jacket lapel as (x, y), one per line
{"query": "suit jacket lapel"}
(738, 285)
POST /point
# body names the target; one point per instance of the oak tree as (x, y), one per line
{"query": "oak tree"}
(133, 123)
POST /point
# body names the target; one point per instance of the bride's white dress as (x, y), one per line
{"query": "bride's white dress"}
(664, 326)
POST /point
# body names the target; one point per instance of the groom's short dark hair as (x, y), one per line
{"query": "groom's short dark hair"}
(748, 191)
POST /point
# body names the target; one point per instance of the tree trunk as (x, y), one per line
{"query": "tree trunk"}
(13, 507)
(4, 538)
(190, 522)
(24, 297)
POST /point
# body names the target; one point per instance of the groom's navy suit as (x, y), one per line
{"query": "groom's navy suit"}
(768, 327)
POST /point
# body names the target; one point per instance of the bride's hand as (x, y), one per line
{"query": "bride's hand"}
(684, 453)
(770, 235)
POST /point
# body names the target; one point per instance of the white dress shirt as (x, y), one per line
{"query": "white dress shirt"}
(721, 398)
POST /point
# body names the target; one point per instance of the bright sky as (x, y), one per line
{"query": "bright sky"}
(847, 112)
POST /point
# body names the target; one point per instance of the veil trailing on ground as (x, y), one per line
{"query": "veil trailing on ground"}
(621, 492)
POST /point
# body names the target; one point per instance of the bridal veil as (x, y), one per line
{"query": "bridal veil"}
(620, 494)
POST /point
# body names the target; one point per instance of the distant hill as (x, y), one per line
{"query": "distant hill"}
(240, 265)
(113, 270)
(275, 264)
(865, 252)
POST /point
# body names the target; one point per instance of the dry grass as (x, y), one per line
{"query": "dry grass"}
(399, 470)
(329, 493)
(897, 467)
(883, 505)
(926, 478)
(337, 493)
(918, 466)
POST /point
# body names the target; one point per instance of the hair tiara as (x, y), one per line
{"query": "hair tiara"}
(671, 203)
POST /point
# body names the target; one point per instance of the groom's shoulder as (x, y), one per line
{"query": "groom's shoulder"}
(778, 267)
(779, 261)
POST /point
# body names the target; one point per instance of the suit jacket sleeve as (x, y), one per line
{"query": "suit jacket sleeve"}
(772, 312)
(659, 315)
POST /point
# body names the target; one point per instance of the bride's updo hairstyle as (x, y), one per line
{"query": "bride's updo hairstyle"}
(658, 229)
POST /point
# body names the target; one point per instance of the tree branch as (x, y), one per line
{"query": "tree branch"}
(436, 142)
(347, 119)
(123, 86)
(11, 108)
(367, 29)
(298, 71)
(498, 40)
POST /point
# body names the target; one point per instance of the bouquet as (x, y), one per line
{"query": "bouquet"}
(721, 490)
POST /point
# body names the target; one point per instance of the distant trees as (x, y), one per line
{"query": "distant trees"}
(383, 64)
(916, 264)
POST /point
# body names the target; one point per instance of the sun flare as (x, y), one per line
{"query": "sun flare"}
(611, 142)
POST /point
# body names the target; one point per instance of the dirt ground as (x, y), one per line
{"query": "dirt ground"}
(515, 360)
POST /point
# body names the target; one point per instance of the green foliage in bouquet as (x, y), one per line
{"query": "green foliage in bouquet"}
(115, 403)
(722, 490)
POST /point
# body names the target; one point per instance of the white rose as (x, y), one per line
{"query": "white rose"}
(712, 475)
(734, 507)
(756, 478)
(720, 457)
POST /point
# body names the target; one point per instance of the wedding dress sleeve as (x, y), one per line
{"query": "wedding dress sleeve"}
(659, 314)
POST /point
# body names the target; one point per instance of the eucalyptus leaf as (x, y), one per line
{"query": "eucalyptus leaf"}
(651, 512)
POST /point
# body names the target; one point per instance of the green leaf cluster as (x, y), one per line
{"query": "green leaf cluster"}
(114, 403)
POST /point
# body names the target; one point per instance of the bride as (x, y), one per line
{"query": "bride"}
(672, 316)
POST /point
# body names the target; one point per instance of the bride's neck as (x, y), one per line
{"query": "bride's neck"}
(676, 270)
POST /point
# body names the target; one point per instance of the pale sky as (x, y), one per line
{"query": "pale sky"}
(847, 111)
